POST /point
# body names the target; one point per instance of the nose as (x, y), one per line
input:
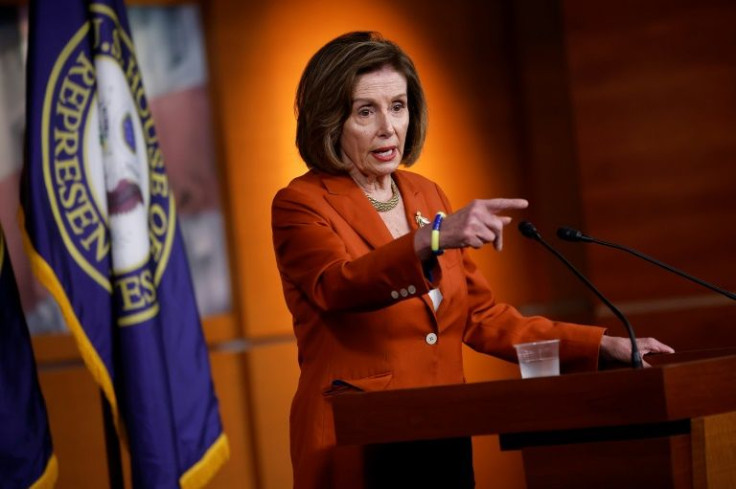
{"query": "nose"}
(385, 125)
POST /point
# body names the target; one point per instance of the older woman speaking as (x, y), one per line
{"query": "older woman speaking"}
(374, 269)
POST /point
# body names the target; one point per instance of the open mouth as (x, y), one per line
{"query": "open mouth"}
(385, 154)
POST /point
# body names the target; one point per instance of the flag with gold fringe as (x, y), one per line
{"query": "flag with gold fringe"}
(101, 230)
(26, 454)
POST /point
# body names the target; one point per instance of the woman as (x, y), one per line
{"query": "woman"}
(380, 300)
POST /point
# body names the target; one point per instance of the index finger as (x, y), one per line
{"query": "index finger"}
(503, 204)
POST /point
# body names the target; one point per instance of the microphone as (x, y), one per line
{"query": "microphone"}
(570, 234)
(528, 230)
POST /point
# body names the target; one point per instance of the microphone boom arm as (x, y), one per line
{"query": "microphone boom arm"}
(662, 265)
(529, 231)
(570, 234)
(635, 355)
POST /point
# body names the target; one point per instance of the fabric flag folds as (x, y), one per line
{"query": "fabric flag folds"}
(100, 227)
(26, 455)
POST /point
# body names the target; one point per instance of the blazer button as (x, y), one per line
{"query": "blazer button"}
(431, 339)
(403, 292)
(394, 294)
(411, 289)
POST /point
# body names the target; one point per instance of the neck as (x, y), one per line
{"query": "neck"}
(378, 187)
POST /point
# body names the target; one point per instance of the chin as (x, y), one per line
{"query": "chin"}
(385, 168)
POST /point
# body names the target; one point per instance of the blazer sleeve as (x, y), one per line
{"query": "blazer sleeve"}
(312, 257)
(494, 328)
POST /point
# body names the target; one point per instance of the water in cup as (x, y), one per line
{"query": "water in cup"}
(540, 368)
(539, 358)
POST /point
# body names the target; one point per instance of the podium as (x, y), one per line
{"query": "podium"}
(669, 426)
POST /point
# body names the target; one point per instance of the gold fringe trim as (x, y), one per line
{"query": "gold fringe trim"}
(203, 471)
(92, 360)
(49, 476)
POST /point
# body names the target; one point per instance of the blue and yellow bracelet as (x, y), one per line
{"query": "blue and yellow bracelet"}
(435, 239)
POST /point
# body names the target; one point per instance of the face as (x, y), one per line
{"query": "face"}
(373, 136)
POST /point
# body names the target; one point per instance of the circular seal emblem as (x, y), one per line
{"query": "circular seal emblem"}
(103, 168)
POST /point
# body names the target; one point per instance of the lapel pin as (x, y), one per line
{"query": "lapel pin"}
(420, 219)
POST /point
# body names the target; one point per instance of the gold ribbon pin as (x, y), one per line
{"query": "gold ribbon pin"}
(420, 219)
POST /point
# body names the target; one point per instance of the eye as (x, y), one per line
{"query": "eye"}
(398, 106)
(364, 112)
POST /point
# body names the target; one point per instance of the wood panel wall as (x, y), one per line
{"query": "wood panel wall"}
(653, 86)
(614, 116)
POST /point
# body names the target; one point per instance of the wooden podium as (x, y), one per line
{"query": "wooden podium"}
(669, 426)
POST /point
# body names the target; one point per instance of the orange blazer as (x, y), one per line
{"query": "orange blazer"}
(362, 315)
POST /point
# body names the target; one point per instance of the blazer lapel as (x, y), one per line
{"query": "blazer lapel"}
(344, 195)
(414, 202)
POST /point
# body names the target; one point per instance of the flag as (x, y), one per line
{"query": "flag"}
(26, 454)
(100, 227)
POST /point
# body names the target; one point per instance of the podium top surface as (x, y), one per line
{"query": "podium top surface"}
(597, 399)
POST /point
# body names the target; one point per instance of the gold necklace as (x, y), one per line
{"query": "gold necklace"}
(389, 204)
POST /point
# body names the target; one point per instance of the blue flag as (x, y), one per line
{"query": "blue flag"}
(101, 229)
(26, 455)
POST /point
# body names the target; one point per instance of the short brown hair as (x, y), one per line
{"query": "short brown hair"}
(324, 96)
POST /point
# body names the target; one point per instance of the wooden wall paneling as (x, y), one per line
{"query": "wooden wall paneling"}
(685, 329)
(233, 321)
(249, 115)
(654, 91)
(549, 154)
(74, 408)
(231, 30)
(228, 374)
(274, 374)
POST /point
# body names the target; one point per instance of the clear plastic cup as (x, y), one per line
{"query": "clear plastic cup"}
(539, 358)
